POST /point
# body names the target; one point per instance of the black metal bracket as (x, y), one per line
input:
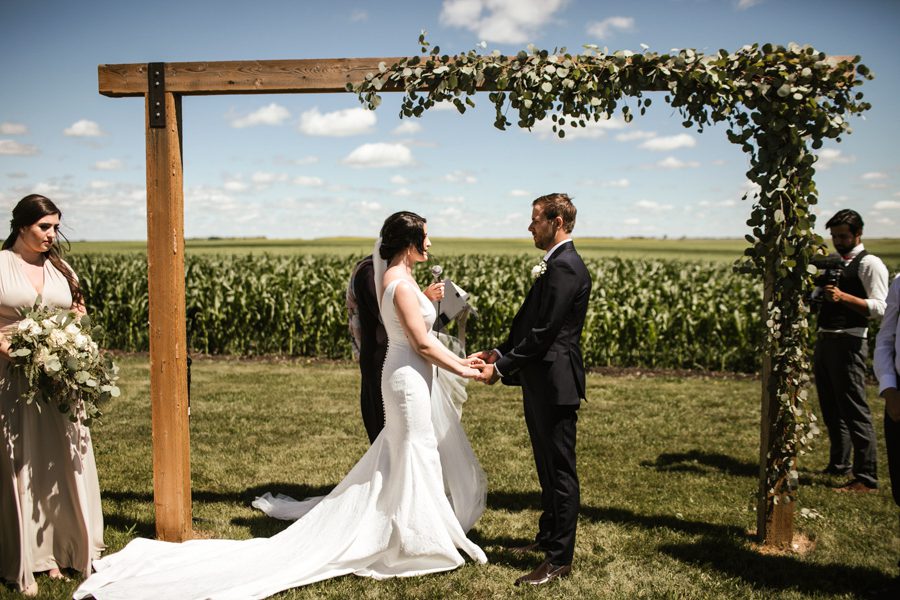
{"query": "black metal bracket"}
(156, 94)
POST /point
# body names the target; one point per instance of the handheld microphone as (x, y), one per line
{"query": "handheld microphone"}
(436, 272)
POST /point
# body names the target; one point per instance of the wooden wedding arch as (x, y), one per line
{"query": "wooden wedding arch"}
(162, 85)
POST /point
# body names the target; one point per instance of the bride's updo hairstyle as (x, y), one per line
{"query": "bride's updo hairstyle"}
(400, 230)
(30, 210)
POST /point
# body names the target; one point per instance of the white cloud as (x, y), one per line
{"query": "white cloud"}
(873, 176)
(444, 106)
(14, 148)
(637, 134)
(450, 199)
(605, 28)
(272, 114)
(99, 185)
(308, 181)
(358, 15)
(264, 178)
(83, 128)
(670, 162)
(402, 192)
(887, 205)
(651, 206)
(669, 143)
(7, 128)
(399, 180)
(745, 4)
(632, 221)
(519, 193)
(234, 185)
(460, 177)
(113, 164)
(306, 160)
(616, 183)
(341, 123)
(593, 130)
(828, 157)
(501, 21)
(369, 206)
(407, 128)
(379, 155)
(450, 212)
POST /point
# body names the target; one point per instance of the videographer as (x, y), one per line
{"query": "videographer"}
(849, 297)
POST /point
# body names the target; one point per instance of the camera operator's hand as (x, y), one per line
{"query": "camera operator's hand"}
(832, 293)
(892, 403)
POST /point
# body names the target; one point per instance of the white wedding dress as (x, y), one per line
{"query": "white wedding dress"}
(389, 517)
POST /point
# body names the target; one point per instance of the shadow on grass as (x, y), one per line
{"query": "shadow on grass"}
(623, 516)
(777, 572)
(514, 500)
(294, 490)
(698, 461)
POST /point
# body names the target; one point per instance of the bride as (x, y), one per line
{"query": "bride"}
(389, 517)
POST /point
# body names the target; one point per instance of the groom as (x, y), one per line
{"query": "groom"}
(543, 355)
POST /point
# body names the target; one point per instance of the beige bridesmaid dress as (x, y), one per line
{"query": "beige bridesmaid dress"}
(50, 514)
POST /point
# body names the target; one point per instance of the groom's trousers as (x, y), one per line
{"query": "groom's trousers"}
(553, 432)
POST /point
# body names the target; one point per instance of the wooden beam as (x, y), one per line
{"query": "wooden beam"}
(168, 338)
(774, 523)
(308, 76)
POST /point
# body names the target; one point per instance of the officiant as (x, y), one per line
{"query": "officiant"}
(370, 340)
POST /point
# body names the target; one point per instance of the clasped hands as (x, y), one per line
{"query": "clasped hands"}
(483, 361)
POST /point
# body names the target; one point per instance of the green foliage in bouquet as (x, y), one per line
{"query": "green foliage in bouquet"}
(55, 351)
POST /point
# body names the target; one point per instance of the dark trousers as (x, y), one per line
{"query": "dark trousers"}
(840, 370)
(371, 404)
(552, 431)
(892, 443)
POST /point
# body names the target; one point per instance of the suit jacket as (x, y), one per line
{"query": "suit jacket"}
(373, 345)
(543, 350)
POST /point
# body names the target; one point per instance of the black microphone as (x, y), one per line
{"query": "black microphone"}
(436, 272)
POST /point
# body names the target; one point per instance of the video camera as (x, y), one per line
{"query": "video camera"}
(830, 270)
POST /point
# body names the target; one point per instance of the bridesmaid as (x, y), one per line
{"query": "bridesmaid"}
(50, 517)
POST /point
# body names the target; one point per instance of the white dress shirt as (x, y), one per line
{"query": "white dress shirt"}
(887, 351)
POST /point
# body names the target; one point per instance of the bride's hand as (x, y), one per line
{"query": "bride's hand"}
(473, 361)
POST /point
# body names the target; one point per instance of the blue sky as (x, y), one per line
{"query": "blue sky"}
(307, 166)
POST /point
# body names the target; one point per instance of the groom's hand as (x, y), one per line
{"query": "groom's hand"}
(489, 374)
(488, 356)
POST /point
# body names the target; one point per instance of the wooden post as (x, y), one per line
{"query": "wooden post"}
(168, 338)
(774, 522)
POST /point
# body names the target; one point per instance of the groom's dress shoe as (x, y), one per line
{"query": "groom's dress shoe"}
(544, 573)
(523, 550)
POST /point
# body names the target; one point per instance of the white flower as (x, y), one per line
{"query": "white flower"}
(48, 324)
(35, 329)
(538, 269)
(57, 338)
(26, 324)
(80, 340)
(52, 365)
(72, 330)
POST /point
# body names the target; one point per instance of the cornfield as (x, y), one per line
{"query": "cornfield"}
(646, 313)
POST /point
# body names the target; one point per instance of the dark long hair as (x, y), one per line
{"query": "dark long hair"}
(30, 210)
(399, 231)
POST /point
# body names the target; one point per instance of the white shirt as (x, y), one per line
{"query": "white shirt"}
(887, 351)
(874, 277)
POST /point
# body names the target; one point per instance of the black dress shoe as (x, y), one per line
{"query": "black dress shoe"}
(833, 470)
(544, 573)
(523, 550)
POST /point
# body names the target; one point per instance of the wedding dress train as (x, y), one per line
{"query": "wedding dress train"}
(389, 517)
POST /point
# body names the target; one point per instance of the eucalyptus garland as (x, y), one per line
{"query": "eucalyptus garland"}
(779, 104)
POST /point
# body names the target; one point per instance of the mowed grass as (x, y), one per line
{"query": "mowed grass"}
(668, 469)
(718, 250)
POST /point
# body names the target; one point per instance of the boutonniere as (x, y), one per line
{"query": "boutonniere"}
(539, 269)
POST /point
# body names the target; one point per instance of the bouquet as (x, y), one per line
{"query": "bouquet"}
(55, 352)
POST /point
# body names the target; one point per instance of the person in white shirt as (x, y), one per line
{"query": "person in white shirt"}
(840, 353)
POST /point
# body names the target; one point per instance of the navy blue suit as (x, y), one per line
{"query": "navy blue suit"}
(543, 355)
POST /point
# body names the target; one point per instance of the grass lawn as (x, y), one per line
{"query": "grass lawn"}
(668, 468)
(718, 250)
